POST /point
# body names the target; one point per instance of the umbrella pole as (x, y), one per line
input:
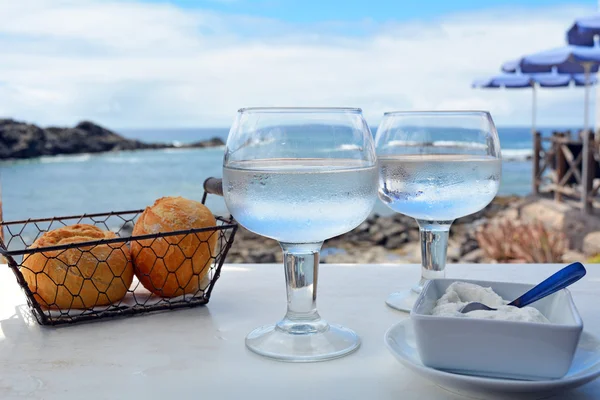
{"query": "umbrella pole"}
(536, 142)
(586, 185)
(533, 108)
(586, 67)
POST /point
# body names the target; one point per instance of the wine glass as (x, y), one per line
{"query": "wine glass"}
(436, 166)
(300, 176)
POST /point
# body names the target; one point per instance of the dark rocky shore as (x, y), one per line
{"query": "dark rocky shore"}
(19, 140)
(379, 239)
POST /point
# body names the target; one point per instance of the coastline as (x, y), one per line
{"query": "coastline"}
(21, 140)
(125, 177)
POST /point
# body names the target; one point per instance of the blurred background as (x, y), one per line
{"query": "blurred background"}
(157, 84)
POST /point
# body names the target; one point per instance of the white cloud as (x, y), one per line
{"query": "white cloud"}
(130, 64)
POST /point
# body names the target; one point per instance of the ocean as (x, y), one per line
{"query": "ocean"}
(90, 183)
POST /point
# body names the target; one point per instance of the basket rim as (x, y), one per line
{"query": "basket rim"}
(228, 224)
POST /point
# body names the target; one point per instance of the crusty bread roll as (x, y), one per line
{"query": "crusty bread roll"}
(81, 277)
(174, 265)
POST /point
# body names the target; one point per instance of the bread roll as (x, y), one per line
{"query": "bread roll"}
(81, 277)
(174, 265)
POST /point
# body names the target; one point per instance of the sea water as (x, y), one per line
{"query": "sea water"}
(75, 184)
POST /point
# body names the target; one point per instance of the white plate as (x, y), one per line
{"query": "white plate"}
(400, 341)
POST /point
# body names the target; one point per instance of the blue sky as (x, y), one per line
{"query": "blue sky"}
(193, 63)
(310, 11)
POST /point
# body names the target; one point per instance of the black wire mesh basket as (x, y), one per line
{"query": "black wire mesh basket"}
(96, 279)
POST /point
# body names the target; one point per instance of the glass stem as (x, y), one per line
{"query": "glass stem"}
(434, 247)
(301, 263)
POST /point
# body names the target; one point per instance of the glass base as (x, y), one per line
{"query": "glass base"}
(404, 300)
(333, 341)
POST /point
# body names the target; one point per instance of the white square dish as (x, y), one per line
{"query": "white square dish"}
(496, 348)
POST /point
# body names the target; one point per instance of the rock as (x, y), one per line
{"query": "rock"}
(497, 205)
(394, 230)
(373, 229)
(406, 220)
(364, 227)
(265, 257)
(414, 235)
(245, 253)
(19, 140)
(386, 223)
(511, 213)
(573, 256)
(214, 142)
(397, 240)
(363, 255)
(469, 245)
(125, 230)
(453, 254)
(378, 237)
(371, 219)
(359, 237)
(562, 217)
(591, 244)
(413, 251)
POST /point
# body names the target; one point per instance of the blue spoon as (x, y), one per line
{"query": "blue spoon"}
(560, 280)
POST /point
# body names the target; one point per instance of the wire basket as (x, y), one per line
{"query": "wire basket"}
(112, 256)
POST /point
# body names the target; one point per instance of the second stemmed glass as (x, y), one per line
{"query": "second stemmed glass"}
(300, 176)
(436, 166)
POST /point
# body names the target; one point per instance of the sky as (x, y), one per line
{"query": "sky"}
(185, 63)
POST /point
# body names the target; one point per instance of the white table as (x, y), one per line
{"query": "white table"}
(200, 354)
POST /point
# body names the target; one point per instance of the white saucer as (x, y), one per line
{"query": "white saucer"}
(400, 341)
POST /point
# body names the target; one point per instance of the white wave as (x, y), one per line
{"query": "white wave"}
(516, 154)
(177, 143)
(507, 154)
(65, 158)
(185, 150)
(261, 141)
(394, 143)
(345, 147)
(438, 143)
(451, 143)
(124, 160)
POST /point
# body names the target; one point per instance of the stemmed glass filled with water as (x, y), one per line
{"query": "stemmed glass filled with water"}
(300, 176)
(436, 167)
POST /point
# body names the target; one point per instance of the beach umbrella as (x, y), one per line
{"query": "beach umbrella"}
(521, 81)
(584, 31)
(568, 59)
